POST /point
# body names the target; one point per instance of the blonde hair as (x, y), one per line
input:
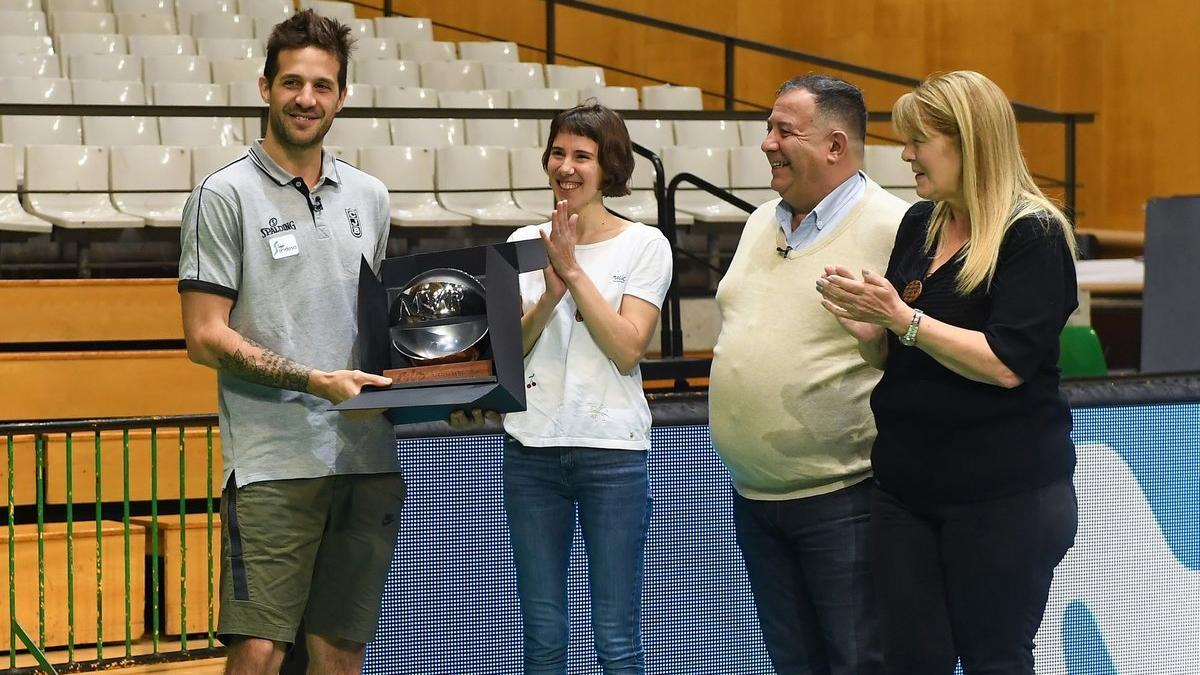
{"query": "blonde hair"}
(996, 184)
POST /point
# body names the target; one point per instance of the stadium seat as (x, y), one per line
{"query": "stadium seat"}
(278, 10)
(194, 130)
(186, 9)
(107, 130)
(883, 164)
(452, 75)
(484, 171)
(752, 132)
(82, 22)
(263, 27)
(72, 167)
(342, 11)
(246, 93)
(82, 44)
(347, 155)
(750, 174)
(489, 52)
(357, 132)
(162, 45)
(208, 158)
(114, 67)
(13, 217)
(419, 132)
(651, 133)
(153, 168)
(29, 65)
(77, 6)
(393, 96)
(574, 77)
(143, 7)
(712, 165)
(361, 28)
(508, 133)
(27, 44)
(404, 28)
(22, 130)
(707, 134)
(409, 168)
(544, 99)
(393, 72)
(146, 24)
(669, 97)
(617, 98)
(176, 69)
(375, 48)
(531, 187)
(221, 25)
(640, 204)
(22, 23)
(427, 50)
(226, 71)
(223, 49)
(512, 76)
(476, 98)
(1080, 353)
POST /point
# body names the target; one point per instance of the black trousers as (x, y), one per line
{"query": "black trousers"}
(967, 581)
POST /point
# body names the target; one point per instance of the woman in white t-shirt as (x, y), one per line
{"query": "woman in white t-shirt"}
(581, 444)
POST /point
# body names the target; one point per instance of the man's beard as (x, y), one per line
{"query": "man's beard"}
(284, 136)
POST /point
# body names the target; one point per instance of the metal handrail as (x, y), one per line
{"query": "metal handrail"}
(667, 218)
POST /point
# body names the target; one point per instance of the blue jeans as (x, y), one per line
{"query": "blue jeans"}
(611, 489)
(810, 574)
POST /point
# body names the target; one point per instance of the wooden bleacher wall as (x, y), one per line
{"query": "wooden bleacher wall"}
(99, 379)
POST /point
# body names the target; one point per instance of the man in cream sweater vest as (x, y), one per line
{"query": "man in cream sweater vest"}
(789, 392)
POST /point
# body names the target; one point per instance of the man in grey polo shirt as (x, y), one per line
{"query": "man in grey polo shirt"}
(268, 275)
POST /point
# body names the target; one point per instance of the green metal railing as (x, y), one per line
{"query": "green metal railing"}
(46, 518)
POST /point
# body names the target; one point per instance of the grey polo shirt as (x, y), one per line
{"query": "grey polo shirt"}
(289, 258)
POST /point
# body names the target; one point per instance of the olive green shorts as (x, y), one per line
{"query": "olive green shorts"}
(312, 548)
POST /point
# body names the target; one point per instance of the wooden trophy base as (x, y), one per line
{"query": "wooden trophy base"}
(443, 373)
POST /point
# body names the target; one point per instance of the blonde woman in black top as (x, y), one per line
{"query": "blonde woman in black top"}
(973, 461)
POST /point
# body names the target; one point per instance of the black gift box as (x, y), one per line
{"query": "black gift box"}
(496, 266)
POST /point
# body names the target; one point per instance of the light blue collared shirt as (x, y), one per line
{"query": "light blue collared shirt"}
(821, 220)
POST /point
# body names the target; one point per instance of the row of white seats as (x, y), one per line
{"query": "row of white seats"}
(453, 186)
(235, 25)
(192, 17)
(239, 62)
(346, 131)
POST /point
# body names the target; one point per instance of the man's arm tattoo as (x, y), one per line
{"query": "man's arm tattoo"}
(269, 368)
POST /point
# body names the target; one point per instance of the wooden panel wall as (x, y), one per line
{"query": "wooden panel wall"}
(1131, 63)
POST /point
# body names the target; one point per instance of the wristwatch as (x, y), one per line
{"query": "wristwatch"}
(909, 339)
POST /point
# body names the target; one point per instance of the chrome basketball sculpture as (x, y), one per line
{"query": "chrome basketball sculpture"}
(439, 317)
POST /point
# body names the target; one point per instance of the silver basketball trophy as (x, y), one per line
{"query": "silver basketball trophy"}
(439, 318)
(445, 326)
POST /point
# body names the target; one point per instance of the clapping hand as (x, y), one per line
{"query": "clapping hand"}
(865, 307)
(560, 244)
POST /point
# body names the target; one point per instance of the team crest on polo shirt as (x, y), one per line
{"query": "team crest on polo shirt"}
(355, 228)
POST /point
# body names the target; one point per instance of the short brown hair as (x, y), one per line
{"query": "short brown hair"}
(607, 129)
(309, 29)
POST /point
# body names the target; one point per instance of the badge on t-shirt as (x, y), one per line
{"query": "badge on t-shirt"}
(284, 246)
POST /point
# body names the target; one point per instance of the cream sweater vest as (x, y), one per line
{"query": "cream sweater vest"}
(789, 395)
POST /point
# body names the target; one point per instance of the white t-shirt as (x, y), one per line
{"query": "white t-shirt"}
(574, 393)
